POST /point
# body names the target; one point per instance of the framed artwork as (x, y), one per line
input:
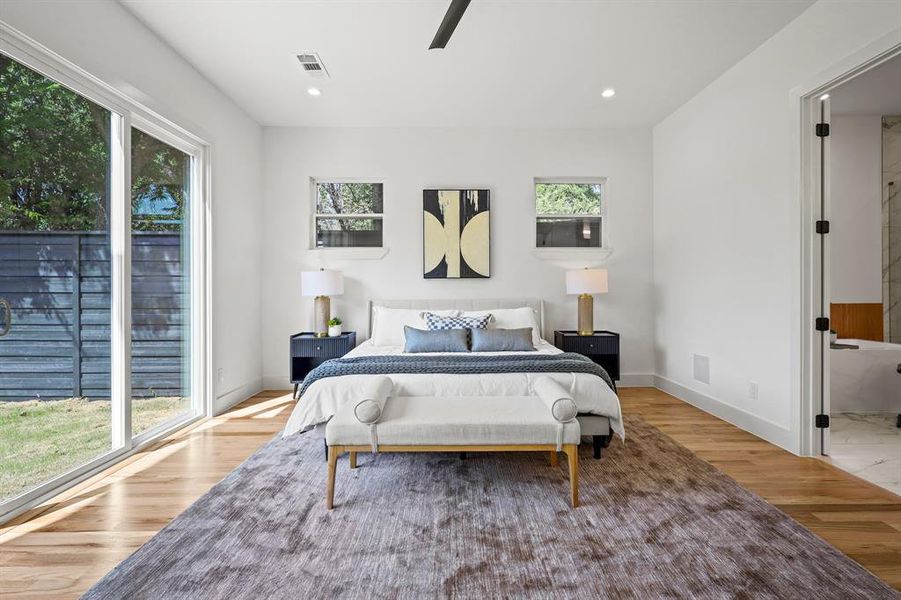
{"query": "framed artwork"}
(455, 234)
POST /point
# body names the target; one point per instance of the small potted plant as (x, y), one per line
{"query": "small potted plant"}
(334, 327)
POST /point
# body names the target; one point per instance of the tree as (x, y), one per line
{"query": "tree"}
(159, 184)
(350, 198)
(568, 198)
(55, 162)
(54, 154)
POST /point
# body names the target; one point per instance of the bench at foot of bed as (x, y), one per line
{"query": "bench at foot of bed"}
(571, 451)
(460, 424)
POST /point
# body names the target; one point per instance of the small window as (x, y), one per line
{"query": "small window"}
(570, 214)
(348, 214)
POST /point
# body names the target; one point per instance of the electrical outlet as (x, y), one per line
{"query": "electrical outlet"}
(752, 390)
(220, 375)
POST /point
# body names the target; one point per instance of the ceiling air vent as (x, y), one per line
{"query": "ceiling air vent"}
(312, 65)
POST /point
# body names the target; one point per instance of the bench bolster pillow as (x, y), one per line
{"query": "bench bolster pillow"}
(559, 401)
(372, 398)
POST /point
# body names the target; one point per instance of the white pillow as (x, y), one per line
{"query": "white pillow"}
(388, 323)
(511, 318)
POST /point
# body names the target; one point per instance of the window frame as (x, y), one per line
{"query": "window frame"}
(602, 215)
(345, 251)
(125, 114)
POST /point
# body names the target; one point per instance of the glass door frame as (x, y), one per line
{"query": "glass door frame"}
(125, 114)
(823, 212)
(201, 402)
(813, 185)
(811, 168)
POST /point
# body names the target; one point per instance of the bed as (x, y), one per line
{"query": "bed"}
(324, 397)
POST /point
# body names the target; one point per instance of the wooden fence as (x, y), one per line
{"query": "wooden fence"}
(58, 285)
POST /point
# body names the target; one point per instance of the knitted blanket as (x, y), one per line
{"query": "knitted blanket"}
(463, 364)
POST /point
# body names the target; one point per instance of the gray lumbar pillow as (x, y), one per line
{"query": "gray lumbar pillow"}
(502, 340)
(441, 340)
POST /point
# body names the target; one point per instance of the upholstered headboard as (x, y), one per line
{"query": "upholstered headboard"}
(463, 304)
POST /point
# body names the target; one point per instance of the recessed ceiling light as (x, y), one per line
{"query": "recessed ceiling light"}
(314, 91)
(608, 93)
(824, 97)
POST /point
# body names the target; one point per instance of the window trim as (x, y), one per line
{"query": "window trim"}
(574, 257)
(125, 114)
(345, 252)
(602, 215)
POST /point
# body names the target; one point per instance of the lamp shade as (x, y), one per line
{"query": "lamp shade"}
(586, 281)
(321, 283)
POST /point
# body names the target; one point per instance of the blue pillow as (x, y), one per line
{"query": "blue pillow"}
(502, 340)
(443, 340)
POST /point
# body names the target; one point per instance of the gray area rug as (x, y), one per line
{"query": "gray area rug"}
(656, 521)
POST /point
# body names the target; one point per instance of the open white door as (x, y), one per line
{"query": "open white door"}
(821, 131)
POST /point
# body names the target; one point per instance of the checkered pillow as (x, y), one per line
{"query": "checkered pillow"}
(437, 322)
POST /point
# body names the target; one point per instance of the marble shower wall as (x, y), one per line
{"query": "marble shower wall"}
(891, 227)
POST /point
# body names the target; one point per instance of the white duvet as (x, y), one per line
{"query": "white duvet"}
(324, 397)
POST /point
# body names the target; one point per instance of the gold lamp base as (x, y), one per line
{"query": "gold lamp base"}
(323, 311)
(586, 314)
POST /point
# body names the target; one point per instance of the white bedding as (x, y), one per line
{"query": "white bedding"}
(325, 396)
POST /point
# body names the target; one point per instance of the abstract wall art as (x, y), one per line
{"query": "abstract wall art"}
(455, 234)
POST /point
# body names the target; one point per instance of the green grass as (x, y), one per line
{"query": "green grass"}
(42, 439)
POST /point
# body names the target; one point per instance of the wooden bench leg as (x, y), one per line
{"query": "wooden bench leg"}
(330, 483)
(572, 453)
(353, 460)
(554, 461)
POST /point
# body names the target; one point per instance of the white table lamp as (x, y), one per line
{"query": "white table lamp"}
(321, 284)
(586, 282)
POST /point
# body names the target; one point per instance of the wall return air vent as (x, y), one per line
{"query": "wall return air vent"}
(312, 65)
(701, 368)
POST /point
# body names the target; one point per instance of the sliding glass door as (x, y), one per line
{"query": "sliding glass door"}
(103, 315)
(160, 284)
(55, 279)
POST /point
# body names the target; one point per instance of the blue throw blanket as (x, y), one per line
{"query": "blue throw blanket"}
(566, 362)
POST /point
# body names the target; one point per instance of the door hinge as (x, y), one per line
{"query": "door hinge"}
(822, 323)
(822, 421)
(822, 129)
(822, 227)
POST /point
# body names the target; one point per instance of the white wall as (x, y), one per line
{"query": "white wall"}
(725, 214)
(727, 222)
(856, 215)
(104, 39)
(410, 160)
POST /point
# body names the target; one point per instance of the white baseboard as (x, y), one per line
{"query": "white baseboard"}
(769, 431)
(277, 382)
(226, 400)
(627, 380)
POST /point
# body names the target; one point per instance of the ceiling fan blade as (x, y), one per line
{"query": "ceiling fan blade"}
(449, 23)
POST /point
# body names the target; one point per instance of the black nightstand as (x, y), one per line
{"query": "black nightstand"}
(309, 351)
(602, 347)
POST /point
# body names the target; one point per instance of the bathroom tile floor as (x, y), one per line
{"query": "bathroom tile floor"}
(867, 445)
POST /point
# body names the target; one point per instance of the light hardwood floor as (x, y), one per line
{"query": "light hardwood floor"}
(60, 549)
